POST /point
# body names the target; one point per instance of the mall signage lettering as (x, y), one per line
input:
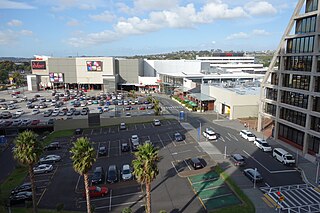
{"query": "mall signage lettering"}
(38, 65)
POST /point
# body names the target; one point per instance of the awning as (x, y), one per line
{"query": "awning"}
(193, 103)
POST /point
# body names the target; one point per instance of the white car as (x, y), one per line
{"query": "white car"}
(35, 112)
(16, 122)
(262, 144)
(156, 122)
(135, 142)
(26, 122)
(209, 134)
(42, 168)
(126, 172)
(247, 135)
(50, 159)
(19, 112)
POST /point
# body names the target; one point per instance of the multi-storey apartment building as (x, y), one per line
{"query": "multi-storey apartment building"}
(291, 87)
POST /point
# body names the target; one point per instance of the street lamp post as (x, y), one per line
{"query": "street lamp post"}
(255, 175)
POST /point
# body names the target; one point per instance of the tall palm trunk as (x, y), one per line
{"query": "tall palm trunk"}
(34, 201)
(86, 186)
(148, 193)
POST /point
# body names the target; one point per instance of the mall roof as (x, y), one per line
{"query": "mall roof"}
(246, 90)
(201, 97)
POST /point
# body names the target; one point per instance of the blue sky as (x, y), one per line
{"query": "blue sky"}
(61, 28)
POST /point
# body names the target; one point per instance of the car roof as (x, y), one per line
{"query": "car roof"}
(237, 156)
(112, 167)
(125, 166)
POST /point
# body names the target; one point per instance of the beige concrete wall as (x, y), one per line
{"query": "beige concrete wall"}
(83, 123)
(64, 65)
(245, 111)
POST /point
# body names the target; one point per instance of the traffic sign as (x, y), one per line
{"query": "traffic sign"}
(281, 198)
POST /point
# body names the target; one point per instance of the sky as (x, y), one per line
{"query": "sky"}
(62, 28)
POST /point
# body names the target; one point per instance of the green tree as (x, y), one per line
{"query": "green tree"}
(83, 157)
(145, 168)
(126, 210)
(17, 77)
(4, 76)
(27, 151)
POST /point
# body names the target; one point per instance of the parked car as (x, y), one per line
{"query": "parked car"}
(42, 168)
(102, 151)
(20, 197)
(25, 187)
(125, 147)
(35, 112)
(262, 144)
(135, 142)
(26, 122)
(126, 172)
(237, 159)
(19, 112)
(112, 175)
(35, 122)
(16, 122)
(156, 122)
(178, 137)
(196, 163)
(210, 134)
(52, 146)
(50, 159)
(252, 174)
(97, 191)
(123, 126)
(98, 175)
(247, 135)
(50, 122)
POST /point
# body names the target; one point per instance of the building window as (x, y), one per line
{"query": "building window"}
(298, 63)
(294, 99)
(311, 5)
(317, 84)
(271, 94)
(271, 109)
(315, 123)
(296, 81)
(274, 78)
(316, 104)
(293, 116)
(291, 135)
(306, 25)
(300, 45)
(313, 144)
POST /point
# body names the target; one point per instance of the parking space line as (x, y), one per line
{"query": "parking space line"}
(174, 167)
(91, 132)
(77, 183)
(135, 126)
(109, 148)
(197, 148)
(41, 195)
(161, 142)
(98, 150)
(143, 126)
(109, 130)
(228, 138)
(187, 164)
(122, 204)
(39, 181)
(233, 137)
(119, 147)
(110, 205)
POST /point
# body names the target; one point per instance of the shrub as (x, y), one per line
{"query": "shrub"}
(126, 210)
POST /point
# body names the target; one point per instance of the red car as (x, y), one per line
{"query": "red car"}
(35, 122)
(142, 108)
(97, 191)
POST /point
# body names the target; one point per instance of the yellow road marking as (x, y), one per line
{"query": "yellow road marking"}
(267, 202)
(317, 189)
(274, 203)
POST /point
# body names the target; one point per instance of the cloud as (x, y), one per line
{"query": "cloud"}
(87, 7)
(260, 8)
(8, 4)
(260, 32)
(240, 35)
(178, 17)
(7, 37)
(26, 32)
(148, 5)
(106, 16)
(73, 23)
(213, 42)
(14, 23)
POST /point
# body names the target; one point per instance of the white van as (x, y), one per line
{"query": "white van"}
(247, 135)
(210, 134)
(283, 156)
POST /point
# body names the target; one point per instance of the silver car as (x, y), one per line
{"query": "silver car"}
(50, 159)
(42, 168)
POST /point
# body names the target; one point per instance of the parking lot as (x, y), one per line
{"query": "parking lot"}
(64, 186)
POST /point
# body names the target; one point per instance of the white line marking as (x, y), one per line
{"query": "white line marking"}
(110, 205)
(161, 142)
(77, 183)
(109, 130)
(267, 185)
(197, 148)
(221, 138)
(233, 137)
(175, 153)
(143, 126)
(122, 204)
(256, 161)
(228, 138)
(39, 181)
(91, 132)
(41, 196)
(109, 148)
(98, 150)
(187, 164)
(174, 167)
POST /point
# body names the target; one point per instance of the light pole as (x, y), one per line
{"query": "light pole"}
(254, 180)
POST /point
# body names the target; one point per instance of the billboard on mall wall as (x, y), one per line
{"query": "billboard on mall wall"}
(94, 66)
(38, 65)
(56, 77)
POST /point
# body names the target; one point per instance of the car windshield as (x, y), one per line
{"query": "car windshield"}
(265, 144)
(177, 134)
(289, 157)
(126, 171)
(250, 135)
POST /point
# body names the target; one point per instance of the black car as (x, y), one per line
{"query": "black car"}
(50, 122)
(84, 112)
(112, 175)
(98, 176)
(102, 151)
(253, 174)
(52, 146)
(78, 131)
(125, 147)
(196, 163)
(20, 197)
(237, 159)
(178, 137)
(77, 112)
(26, 187)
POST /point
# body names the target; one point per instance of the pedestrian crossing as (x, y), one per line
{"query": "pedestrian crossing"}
(173, 107)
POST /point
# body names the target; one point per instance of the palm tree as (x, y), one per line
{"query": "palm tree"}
(27, 151)
(83, 157)
(157, 108)
(17, 77)
(145, 168)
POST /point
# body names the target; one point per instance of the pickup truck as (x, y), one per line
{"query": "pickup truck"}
(209, 134)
